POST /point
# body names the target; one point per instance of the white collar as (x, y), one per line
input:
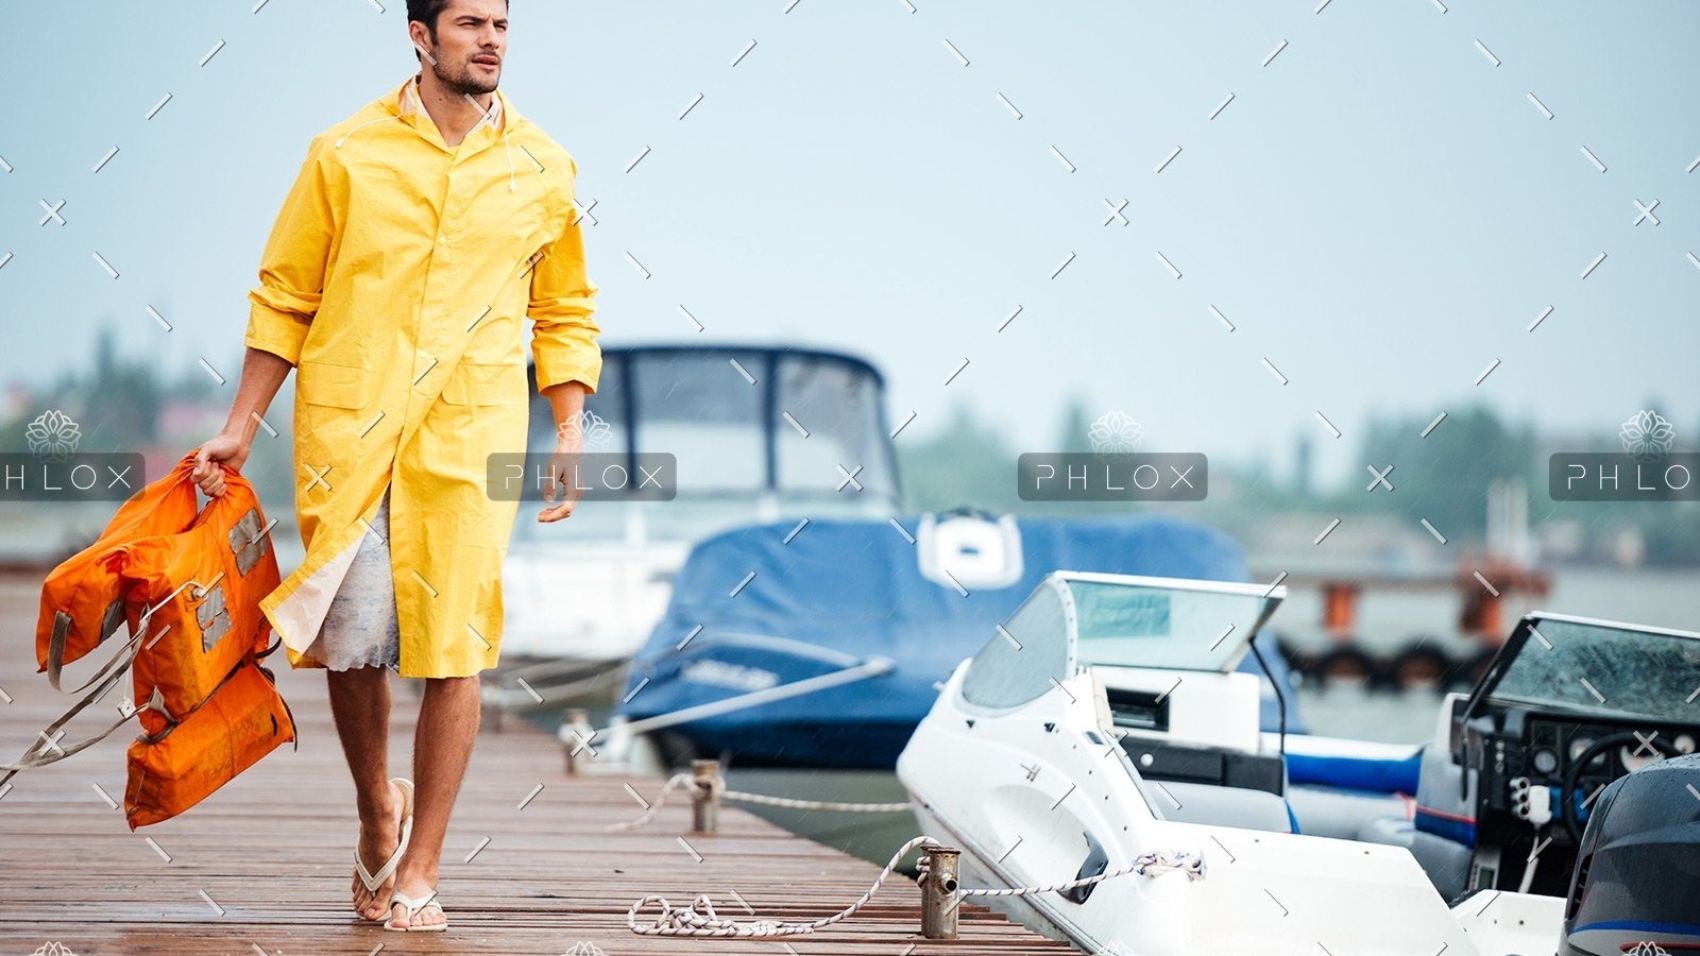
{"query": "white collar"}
(410, 102)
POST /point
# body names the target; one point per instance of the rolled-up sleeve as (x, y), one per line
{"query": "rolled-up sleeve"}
(563, 341)
(292, 268)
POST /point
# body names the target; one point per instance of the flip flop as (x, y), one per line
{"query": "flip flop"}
(372, 881)
(413, 908)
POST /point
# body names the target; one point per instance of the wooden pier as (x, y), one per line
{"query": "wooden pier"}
(264, 865)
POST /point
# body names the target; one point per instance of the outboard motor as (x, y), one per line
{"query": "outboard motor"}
(1636, 886)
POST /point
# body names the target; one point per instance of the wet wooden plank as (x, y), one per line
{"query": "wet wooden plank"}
(263, 865)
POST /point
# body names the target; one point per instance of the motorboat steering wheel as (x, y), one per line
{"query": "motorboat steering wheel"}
(1572, 780)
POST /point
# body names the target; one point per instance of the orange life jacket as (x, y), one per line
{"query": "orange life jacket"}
(189, 586)
(82, 601)
(242, 721)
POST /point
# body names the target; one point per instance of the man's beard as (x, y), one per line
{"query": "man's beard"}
(465, 82)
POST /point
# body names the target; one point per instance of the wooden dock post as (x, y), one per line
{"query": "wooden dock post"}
(577, 729)
(938, 893)
(705, 796)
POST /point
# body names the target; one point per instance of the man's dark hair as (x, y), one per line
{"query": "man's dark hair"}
(426, 12)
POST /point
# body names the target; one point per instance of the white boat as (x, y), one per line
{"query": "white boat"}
(581, 597)
(1102, 726)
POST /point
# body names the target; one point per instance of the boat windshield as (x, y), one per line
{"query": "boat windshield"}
(757, 435)
(1201, 626)
(1602, 668)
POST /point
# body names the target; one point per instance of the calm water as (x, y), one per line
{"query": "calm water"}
(1656, 598)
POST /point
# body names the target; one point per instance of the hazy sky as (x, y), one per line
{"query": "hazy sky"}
(1380, 210)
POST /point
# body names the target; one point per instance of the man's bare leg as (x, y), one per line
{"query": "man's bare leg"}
(360, 705)
(442, 746)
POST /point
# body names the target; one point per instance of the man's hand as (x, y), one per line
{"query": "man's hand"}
(222, 449)
(563, 465)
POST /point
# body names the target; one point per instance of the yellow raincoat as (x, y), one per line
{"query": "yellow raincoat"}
(397, 280)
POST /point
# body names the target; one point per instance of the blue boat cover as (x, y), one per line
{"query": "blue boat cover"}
(754, 610)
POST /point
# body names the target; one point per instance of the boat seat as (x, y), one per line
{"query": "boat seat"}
(1220, 806)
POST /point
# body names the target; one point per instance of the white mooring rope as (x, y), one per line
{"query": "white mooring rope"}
(700, 918)
(685, 780)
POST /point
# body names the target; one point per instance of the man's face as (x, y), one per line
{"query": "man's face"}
(471, 43)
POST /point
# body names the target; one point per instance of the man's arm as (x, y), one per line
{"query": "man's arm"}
(564, 347)
(262, 374)
(281, 308)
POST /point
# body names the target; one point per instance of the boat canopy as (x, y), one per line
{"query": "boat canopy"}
(758, 433)
(762, 606)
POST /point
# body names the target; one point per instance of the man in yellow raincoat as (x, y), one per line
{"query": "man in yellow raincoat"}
(420, 237)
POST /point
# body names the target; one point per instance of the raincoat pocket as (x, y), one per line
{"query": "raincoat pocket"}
(474, 383)
(339, 386)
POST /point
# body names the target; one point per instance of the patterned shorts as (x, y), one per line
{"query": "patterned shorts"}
(360, 628)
